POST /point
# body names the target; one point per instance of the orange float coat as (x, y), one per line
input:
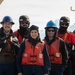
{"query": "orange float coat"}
(54, 52)
(33, 55)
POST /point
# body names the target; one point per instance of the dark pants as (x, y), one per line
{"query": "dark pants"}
(73, 65)
(6, 69)
(68, 70)
(32, 70)
(56, 70)
(15, 70)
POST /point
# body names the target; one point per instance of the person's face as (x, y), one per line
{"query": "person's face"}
(50, 32)
(34, 34)
(65, 25)
(7, 26)
(24, 24)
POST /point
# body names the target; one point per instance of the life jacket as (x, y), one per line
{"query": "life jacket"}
(7, 53)
(54, 52)
(33, 55)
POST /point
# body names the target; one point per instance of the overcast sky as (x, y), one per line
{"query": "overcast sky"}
(39, 11)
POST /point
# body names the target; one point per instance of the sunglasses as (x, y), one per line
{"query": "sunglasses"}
(51, 30)
(66, 24)
(25, 22)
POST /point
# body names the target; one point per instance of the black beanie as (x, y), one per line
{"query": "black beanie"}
(64, 19)
(33, 27)
(24, 18)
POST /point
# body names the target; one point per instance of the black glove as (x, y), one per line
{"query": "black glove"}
(69, 45)
(64, 67)
(73, 53)
(15, 42)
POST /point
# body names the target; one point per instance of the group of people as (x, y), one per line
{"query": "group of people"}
(22, 52)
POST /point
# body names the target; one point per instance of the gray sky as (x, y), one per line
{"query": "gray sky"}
(39, 11)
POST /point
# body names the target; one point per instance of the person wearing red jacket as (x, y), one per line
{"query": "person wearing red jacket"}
(56, 48)
(69, 38)
(23, 30)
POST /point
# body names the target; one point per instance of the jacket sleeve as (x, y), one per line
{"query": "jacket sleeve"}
(71, 49)
(47, 64)
(71, 38)
(19, 58)
(64, 52)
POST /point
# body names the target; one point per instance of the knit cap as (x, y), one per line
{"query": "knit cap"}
(33, 27)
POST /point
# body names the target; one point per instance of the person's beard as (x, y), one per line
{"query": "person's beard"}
(24, 30)
(62, 30)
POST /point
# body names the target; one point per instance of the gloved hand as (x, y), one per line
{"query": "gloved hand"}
(68, 45)
(72, 53)
(64, 67)
(14, 39)
(15, 42)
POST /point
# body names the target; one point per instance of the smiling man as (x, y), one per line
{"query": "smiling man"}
(56, 49)
(8, 47)
(7, 24)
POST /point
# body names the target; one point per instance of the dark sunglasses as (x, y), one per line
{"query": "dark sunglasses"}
(66, 24)
(25, 22)
(51, 30)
